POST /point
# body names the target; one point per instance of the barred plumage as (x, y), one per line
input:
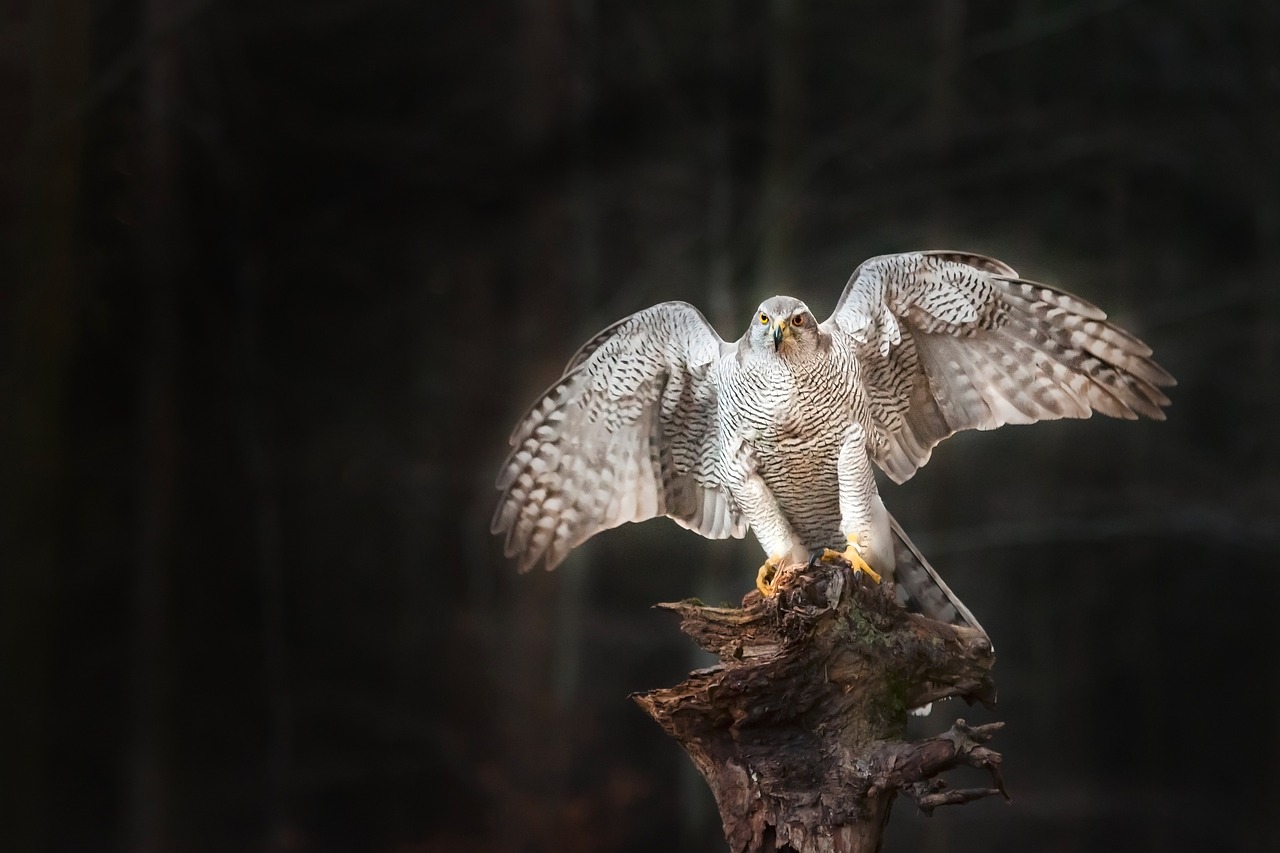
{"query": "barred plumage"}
(656, 415)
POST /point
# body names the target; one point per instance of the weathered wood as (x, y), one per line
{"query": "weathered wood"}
(799, 730)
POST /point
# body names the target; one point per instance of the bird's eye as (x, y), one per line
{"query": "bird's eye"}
(797, 320)
(764, 318)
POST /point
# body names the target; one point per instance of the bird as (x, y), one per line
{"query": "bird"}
(780, 432)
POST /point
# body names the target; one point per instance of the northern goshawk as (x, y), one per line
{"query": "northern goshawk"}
(656, 415)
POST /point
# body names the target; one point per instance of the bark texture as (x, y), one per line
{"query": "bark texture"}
(799, 730)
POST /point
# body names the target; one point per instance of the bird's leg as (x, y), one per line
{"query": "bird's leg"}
(853, 557)
(767, 521)
(863, 518)
(766, 575)
(780, 543)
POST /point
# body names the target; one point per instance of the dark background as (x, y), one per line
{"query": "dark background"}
(279, 277)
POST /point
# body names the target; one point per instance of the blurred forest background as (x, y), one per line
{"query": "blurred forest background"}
(279, 277)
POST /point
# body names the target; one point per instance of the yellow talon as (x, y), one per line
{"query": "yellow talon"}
(764, 577)
(853, 558)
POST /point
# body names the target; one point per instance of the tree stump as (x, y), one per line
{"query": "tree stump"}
(799, 730)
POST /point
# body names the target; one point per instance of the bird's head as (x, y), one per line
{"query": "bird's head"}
(783, 326)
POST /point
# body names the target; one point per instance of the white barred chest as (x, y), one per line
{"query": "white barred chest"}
(795, 423)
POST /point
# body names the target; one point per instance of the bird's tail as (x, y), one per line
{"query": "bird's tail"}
(920, 589)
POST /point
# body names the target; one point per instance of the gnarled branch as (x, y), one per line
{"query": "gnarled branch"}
(799, 730)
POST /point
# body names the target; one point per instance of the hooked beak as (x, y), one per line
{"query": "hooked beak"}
(779, 328)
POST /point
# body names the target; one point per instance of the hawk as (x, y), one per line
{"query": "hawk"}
(779, 431)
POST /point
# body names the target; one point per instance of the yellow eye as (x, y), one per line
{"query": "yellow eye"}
(764, 318)
(797, 320)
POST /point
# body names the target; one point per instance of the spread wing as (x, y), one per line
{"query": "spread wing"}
(626, 434)
(950, 341)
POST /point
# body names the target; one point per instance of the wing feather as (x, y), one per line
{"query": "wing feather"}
(626, 434)
(975, 346)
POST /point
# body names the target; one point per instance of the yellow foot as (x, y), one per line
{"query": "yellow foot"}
(764, 577)
(853, 558)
